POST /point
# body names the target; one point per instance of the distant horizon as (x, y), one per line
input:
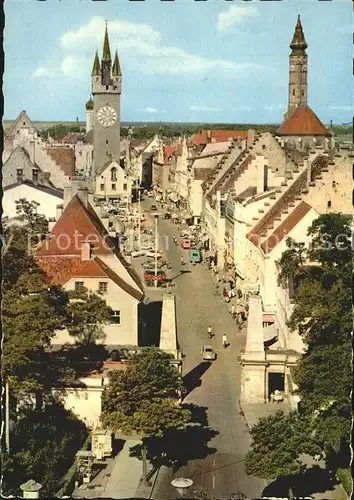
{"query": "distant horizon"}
(216, 63)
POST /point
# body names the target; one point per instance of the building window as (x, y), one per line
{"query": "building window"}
(114, 187)
(125, 187)
(102, 287)
(113, 174)
(106, 141)
(79, 286)
(110, 224)
(19, 174)
(102, 187)
(80, 152)
(24, 123)
(329, 204)
(115, 318)
(293, 91)
(35, 175)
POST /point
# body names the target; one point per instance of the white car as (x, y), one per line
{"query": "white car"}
(136, 253)
(208, 353)
(152, 255)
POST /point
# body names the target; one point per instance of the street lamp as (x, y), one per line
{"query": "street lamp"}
(156, 243)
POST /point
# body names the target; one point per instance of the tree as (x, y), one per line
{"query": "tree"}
(143, 400)
(36, 223)
(43, 445)
(87, 314)
(277, 443)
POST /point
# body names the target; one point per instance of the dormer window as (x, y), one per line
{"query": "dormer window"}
(35, 175)
(113, 174)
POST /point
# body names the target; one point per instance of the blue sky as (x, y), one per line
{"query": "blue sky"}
(212, 61)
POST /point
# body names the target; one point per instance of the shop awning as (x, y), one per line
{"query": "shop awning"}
(268, 318)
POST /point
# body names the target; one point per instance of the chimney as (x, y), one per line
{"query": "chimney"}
(208, 134)
(67, 195)
(250, 137)
(83, 195)
(46, 176)
(86, 251)
(59, 211)
(51, 223)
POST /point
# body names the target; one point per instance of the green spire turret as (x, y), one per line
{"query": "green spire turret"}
(298, 42)
(106, 50)
(96, 70)
(116, 71)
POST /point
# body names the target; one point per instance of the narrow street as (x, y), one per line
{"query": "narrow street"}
(216, 465)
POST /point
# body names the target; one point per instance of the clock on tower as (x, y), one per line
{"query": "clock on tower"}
(106, 89)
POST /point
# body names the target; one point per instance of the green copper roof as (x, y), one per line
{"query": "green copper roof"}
(116, 71)
(298, 42)
(89, 104)
(96, 70)
(106, 50)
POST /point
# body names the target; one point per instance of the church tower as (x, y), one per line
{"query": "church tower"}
(106, 89)
(297, 70)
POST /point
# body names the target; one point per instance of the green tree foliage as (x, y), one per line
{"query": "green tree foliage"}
(43, 445)
(57, 132)
(28, 213)
(277, 443)
(142, 399)
(87, 315)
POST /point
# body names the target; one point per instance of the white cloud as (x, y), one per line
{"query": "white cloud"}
(245, 108)
(341, 108)
(236, 14)
(204, 108)
(43, 72)
(74, 67)
(143, 48)
(275, 107)
(150, 110)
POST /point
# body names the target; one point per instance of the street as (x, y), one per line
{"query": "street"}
(217, 467)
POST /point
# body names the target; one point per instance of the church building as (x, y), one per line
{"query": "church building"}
(301, 128)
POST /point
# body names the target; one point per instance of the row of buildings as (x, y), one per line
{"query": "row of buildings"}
(249, 189)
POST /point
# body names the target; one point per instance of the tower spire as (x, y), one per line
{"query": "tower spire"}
(106, 56)
(96, 70)
(298, 42)
(116, 71)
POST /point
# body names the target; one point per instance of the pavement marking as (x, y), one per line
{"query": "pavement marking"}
(214, 482)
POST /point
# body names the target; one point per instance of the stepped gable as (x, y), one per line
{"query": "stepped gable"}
(303, 121)
(236, 174)
(77, 225)
(64, 157)
(289, 196)
(247, 193)
(285, 227)
(320, 163)
(232, 168)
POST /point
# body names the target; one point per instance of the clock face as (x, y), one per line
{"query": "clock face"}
(106, 116)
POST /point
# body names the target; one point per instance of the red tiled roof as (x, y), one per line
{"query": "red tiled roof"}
(73, 138)
(218, 136)
(168, 152)
(118, 280)
(64, 157)
(60, 269)
(286, 226)
(303, 121)
(76, 225)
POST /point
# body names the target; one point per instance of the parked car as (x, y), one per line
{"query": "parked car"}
(136, 253)
(208, 353)
(149, 274)
(167, 215)
(152, 255)
(153, 208)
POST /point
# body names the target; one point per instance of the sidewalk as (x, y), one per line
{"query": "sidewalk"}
(125, 476)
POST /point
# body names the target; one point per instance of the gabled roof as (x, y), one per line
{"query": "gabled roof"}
(22, 117)
(286, 226)
(45, 189)
(60, 270)
(107, 165)
(303, 121)
(209, 136)
(77, 225)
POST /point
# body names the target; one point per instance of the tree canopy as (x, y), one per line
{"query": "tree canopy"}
(321, 276)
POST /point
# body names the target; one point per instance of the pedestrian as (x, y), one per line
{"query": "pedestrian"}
(232, 310)
(224, 340)
(182, 261)
(210, 331)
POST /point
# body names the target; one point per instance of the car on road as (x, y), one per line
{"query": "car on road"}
(167, 215)
(153, 208)
(151, 255)
(208, 353)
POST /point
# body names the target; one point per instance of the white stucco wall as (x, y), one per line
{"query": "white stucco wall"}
(104, 179)
(85, 402)
(126, 333)
(47, 202)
